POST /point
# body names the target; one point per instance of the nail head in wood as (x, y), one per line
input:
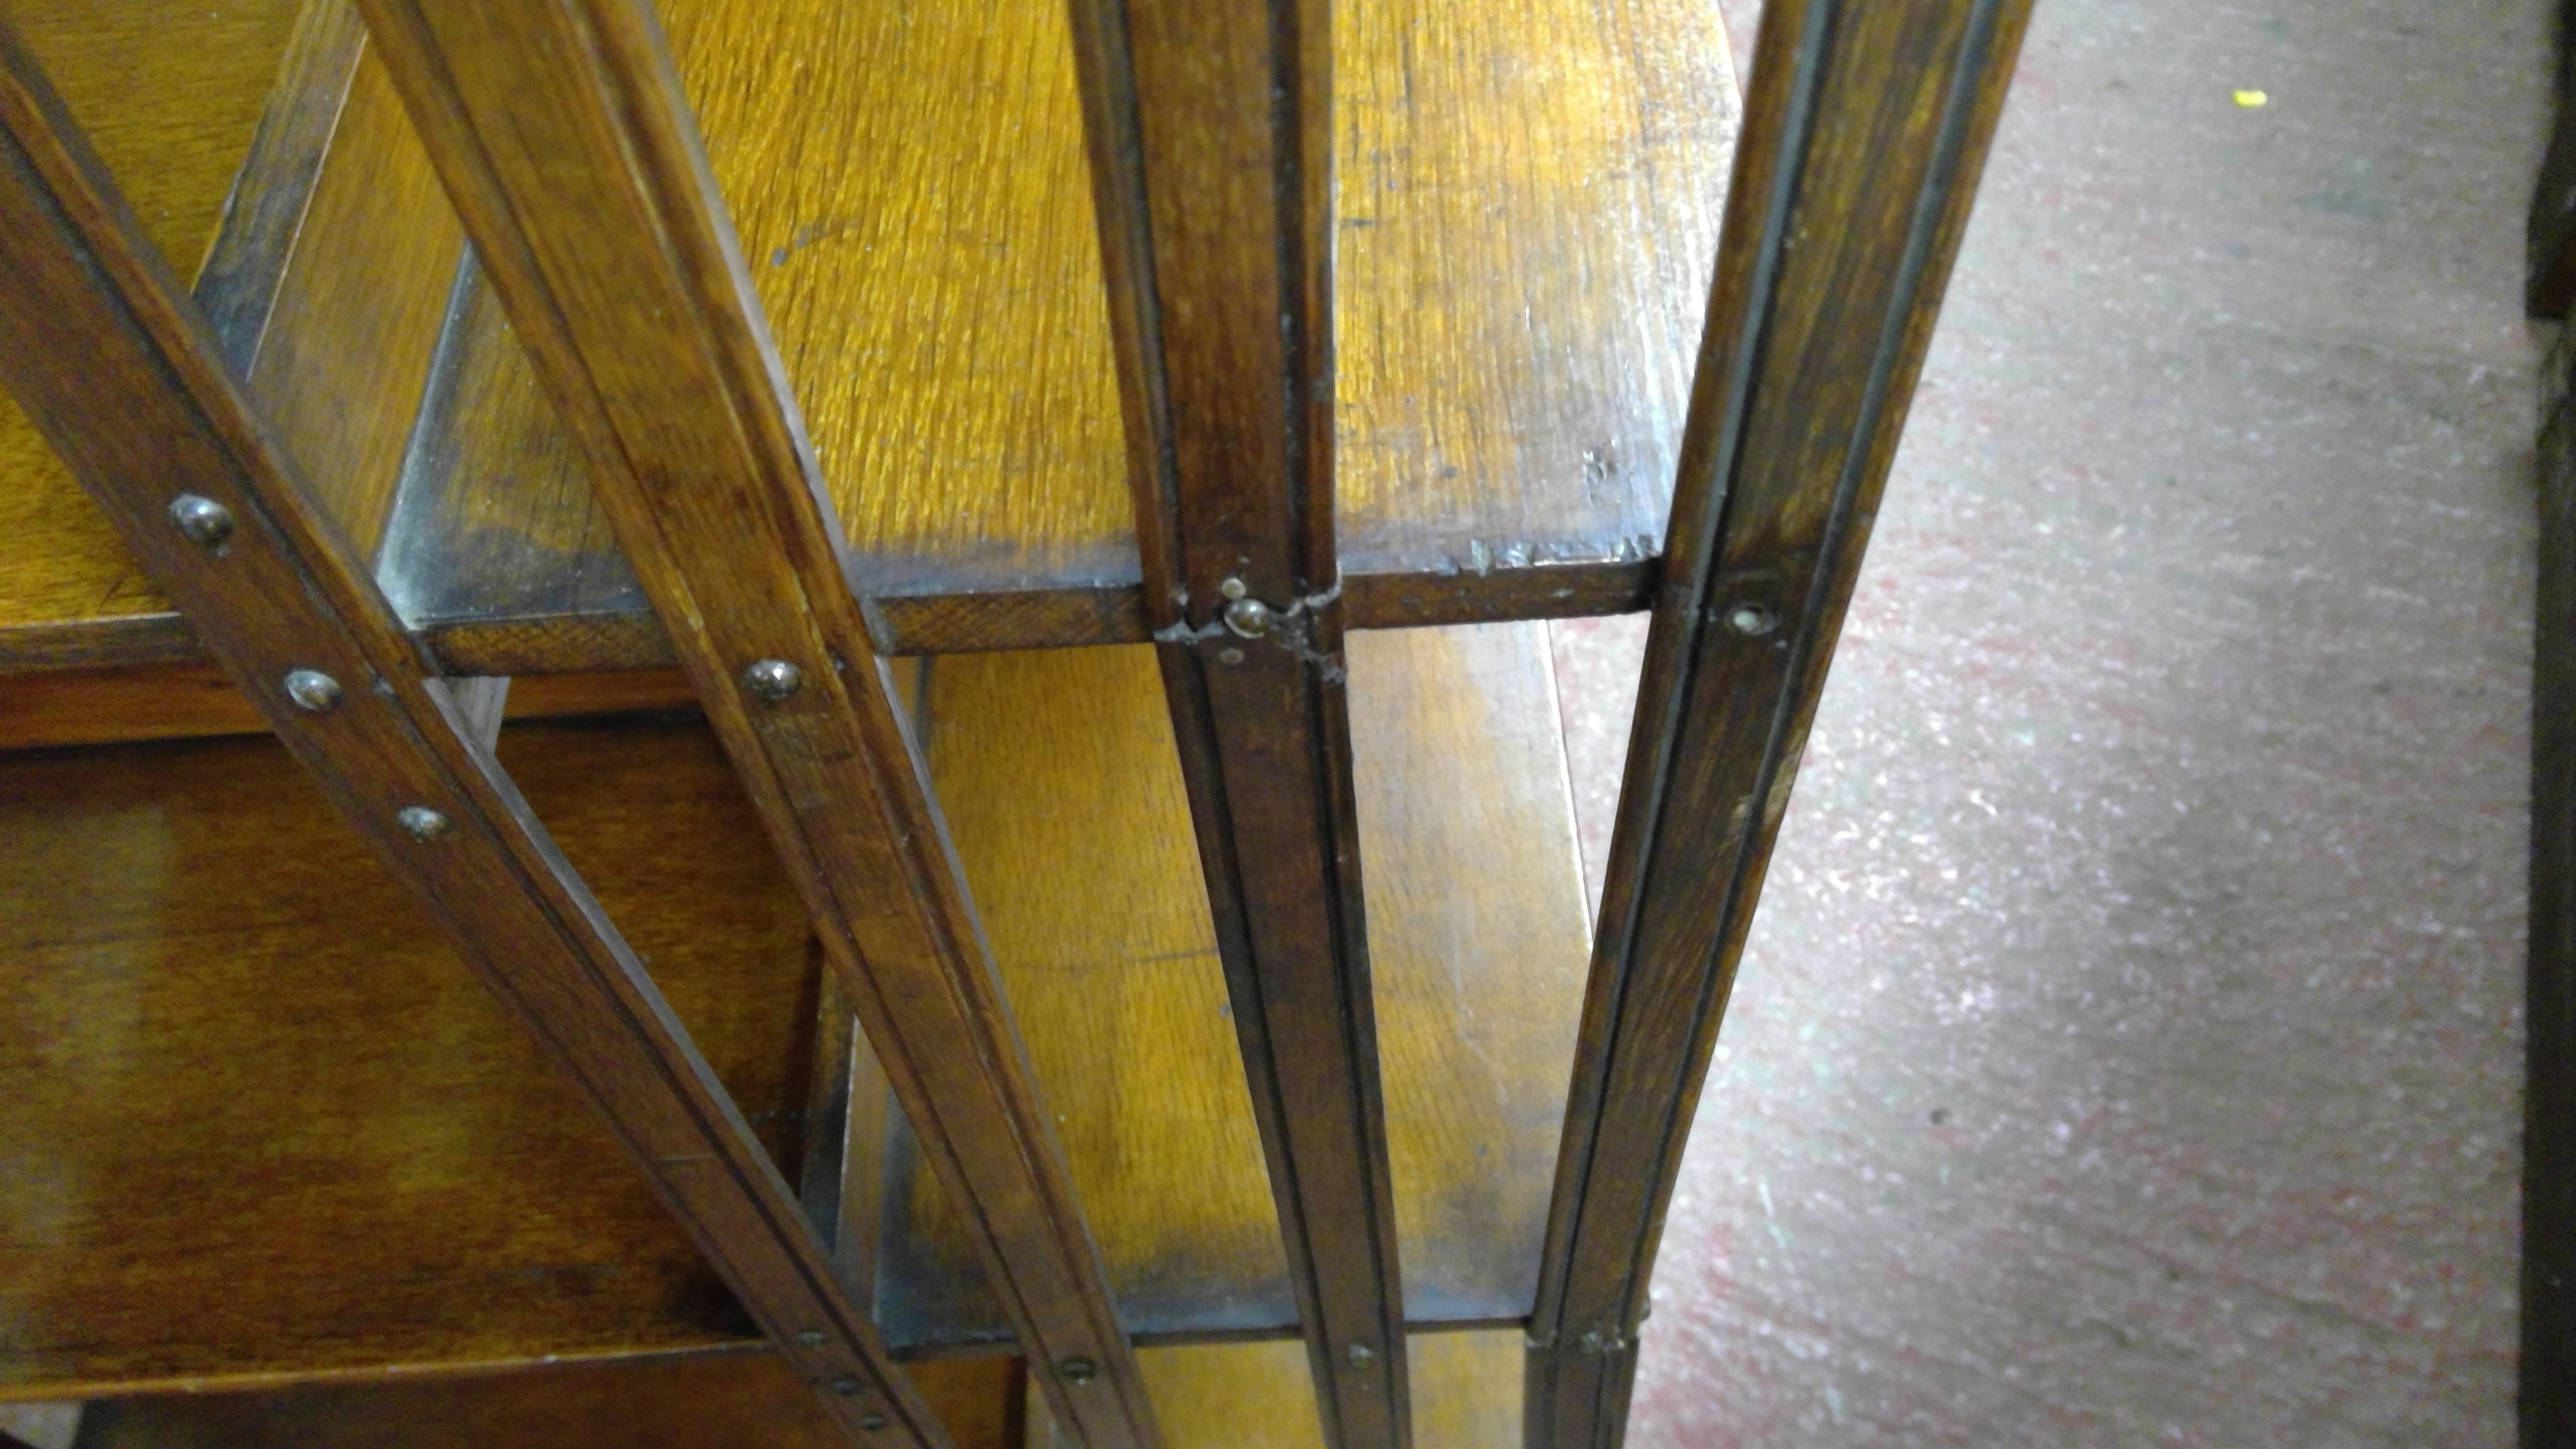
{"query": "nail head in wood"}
(848, 1385)
(773, 679)
(313, 691)
(1249, 618)
(1360, 1355)
(422, 823)
(205, 522)
(872, 1422)
(1751, 619)
(1078, 1370)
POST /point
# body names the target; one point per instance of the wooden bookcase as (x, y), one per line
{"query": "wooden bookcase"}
(934, 614)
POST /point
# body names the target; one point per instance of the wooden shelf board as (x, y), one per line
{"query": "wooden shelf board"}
(1529, 200)
(266, 1127)
(1058, 778)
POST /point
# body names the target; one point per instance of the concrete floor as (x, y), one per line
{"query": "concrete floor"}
(2128, 1051)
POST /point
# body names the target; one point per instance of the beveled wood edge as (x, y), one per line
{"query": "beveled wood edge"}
(540, 1360)
(907, 625)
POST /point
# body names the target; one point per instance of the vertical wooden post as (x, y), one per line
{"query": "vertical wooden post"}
(127, 380)
(1865, 130)
(1211, 143)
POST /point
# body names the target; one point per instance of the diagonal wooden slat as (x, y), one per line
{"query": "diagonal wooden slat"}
(125, 377)
(561, 133)
(1865, 131)
(1210, 132)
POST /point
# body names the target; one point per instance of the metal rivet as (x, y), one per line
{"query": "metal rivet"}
(1249, 618)
(1751, 618)
(1590, 1342)
(811, 1338)
(313, 691)
(773, 679)
(846, 1386)
(1360, 1355)
(206, 522)
(421, 823)
(1078, 1370)
(1233, 589)
(872, 1421)
(1229, 656)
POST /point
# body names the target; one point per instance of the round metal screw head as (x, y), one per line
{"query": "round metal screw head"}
(847, 1385)
(1233, 589)
(313, 691)
(1229, 656)
(872, 1421)
(422, 823)
(1078, 1370)
(773, 679)
(811, 1338)
(1751, 619)
(1249, 618)
(206, 522)
(1360, 1355)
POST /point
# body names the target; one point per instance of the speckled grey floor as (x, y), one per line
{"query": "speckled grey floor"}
(2128, 1051)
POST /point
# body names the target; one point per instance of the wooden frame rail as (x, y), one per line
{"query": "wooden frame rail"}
(1210, 131)
(562, 137)
(125, 378)
(1866, 128)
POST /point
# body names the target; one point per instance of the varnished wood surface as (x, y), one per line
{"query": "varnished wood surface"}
(1074, 828)
(218, 1134)
(563, 139)
(161, 702)
(1210, 131)
(715, 1403)
(170, 94)
(127, 381)
(1869, 127)
(1521, 316)
(1466, 1394)
(263, 1124)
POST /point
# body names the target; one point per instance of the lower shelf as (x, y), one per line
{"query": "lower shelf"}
(265, 1129)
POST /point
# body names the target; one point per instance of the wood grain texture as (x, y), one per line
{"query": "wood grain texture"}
(1869, 126)
(563, 138)
(739, 1399)
(1466, 1394)
(170, 95)
(1210, 133)
(123, 375)
(167, 702)
(265, 1125)
(1109, 955)
(1523, 315)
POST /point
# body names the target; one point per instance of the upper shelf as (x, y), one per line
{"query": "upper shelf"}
(1529, 198)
